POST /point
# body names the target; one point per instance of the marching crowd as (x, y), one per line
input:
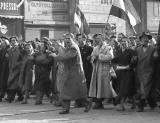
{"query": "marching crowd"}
(82, 69)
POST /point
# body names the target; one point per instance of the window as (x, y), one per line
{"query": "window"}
(156, 8)
(44, 33)
(108, 2)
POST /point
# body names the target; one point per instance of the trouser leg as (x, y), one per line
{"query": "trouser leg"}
(11, 95)
(20, 94)
(26, 95)
(66, 105)
(141, 105)
(152, 103)
(98, 103)
(39, 97)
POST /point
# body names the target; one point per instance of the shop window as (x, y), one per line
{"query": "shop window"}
(44, 33)
(108, 2)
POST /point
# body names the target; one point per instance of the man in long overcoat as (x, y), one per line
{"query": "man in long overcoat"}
(15, 61)
(4, 69)
(100, 87)
(26, 74)
(146, 56)
(86, 52)
(74, 86)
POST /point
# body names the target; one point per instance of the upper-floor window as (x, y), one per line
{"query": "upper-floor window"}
(108, 2)
(156, 7)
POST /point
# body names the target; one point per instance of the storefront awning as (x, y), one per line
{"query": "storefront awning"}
(11, 16)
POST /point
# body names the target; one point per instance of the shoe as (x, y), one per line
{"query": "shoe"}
(19, 99)
(24, 102)
(57, 104)
(114, 101)
(88, 107)
(133, 107)
(98, 106)
(152, 108)
(64, 112)
(140, 109)
(9, 100)
(121, 108)
(38, 102)
(78, 105)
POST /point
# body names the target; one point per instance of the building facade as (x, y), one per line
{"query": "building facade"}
(97, 15)
(153, 15)
(46, 18)
(53, 18)
(11, 18)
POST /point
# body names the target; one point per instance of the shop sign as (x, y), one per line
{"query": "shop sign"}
(46, 10)
(9, 7)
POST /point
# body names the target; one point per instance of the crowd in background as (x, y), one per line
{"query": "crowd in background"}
(83, 69)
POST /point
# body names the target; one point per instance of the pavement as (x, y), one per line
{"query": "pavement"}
(48, 113)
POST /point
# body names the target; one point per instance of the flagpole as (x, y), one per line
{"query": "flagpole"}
(108, 18)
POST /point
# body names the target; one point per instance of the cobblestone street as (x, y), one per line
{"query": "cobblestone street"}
(47, 113)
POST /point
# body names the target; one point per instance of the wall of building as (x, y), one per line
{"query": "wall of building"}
(153, 15)
(46, 18)
(11, 17)
(97, 13)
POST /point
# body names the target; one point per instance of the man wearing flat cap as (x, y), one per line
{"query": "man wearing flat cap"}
(145, 59)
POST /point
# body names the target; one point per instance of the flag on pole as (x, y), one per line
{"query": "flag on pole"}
(125, 10)
(80, 22)
(158, 36)
(19, 5)
(159, 29)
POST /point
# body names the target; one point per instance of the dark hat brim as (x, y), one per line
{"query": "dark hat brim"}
(145, 35)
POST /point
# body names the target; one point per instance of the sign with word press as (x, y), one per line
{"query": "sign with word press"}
(9, 7)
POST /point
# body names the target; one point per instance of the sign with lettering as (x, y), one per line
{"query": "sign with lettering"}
(46, 11)
(9, 7)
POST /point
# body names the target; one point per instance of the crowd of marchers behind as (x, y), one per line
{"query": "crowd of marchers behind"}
(88, 70)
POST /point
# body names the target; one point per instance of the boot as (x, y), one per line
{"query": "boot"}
(66, 107)
(39, 96)
(88, 106)
(98, 106)
(25, 97)
(141, 105)
(121, 108)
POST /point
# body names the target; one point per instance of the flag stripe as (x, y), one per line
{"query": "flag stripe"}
(130, 8)
(80, 22)
(118, 12)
